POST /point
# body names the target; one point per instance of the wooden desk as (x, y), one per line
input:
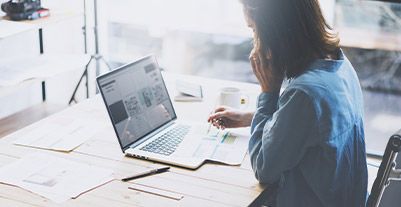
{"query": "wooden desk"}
(26, 117)
(210, 185)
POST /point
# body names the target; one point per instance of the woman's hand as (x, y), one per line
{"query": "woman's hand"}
(227, 117)
(262, 68)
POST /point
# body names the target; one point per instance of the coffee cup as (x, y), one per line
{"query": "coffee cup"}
(233, 97)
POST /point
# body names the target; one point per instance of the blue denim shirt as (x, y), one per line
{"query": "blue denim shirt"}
(310, 140)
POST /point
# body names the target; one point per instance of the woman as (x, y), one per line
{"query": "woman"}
(308, 141)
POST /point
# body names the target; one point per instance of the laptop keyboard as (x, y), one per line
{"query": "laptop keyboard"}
(168, 142)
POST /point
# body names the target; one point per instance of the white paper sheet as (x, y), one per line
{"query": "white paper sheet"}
(228, 146)
(55, 178)
(63, 134)
(223, 146)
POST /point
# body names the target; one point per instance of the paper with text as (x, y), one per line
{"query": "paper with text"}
(55, 178)
(225, 146)
(57, 134)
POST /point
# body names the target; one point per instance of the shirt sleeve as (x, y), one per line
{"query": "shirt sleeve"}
(281, 131)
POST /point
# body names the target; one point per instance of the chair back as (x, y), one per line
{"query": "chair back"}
(381, 192)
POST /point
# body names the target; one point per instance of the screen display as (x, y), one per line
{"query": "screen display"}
(137, 99)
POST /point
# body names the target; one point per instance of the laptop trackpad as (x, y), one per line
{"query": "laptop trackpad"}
(192, 140)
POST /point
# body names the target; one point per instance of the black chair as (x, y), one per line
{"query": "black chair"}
(387, 172)
(381, 187)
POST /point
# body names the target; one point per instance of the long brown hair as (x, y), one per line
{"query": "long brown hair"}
(293, 31)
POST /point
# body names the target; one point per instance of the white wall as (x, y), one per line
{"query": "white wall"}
(61, 37)
(328, 9)
(207, 16)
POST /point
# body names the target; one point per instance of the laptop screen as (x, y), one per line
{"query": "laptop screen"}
(137, 99)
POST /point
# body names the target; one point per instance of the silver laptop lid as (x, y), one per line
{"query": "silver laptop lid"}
(136, 99)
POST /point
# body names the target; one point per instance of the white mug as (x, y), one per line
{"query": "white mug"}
(233, 97)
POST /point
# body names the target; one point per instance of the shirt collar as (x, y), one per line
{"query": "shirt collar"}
(328, 65)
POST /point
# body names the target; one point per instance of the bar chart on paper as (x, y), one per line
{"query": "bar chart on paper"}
(228, 138)
(222, 146)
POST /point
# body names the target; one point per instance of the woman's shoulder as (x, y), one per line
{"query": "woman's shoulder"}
(309, 84)
(312, 86)
(323, 78)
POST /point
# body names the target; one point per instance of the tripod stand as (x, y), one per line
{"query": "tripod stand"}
(97, 56)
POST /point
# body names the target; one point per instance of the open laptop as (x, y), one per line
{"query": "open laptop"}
(143, 116)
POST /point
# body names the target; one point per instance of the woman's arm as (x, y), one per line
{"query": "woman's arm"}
(281, 134)
(227, 117)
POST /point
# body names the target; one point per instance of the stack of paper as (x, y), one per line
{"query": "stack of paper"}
(188, 92)
(55, 178)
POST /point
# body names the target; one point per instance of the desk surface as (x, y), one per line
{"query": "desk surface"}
(210, 185)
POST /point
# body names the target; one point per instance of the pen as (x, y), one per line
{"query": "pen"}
(218, 132)
(221, 124)
(147, 173)
(210, 124)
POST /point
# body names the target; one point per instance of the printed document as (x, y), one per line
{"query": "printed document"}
(225, 146)
(63, 134)
(54, 178)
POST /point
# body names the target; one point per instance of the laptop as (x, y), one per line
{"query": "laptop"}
(144, 118)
